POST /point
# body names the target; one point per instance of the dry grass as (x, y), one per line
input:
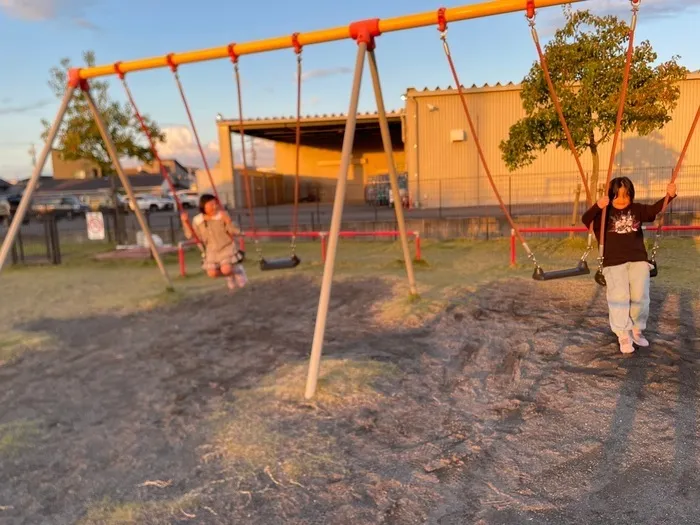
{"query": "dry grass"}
(14, 343)
(84, 287)
(264, 434)
(17, 435)
(163, 512)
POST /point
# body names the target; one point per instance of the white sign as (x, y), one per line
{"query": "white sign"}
(95, 225)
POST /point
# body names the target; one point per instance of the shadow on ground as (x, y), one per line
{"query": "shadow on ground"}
(510, 405)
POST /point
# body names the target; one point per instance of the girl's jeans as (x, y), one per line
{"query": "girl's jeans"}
(628, 296)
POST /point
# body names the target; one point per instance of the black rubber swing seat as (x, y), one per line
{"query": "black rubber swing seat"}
(580, 269)
(284, 263)
(653, 272)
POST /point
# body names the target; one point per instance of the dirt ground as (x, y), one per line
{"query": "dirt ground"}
(504, 404)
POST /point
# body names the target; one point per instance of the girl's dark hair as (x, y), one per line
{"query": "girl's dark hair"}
(203, 201)
(621, 182)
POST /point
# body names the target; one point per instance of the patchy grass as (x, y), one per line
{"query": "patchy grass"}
(84, 287)
(163, 512)
(16, 435)
(268, 432)
(14, 343)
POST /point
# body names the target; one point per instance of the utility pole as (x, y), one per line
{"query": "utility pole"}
(32, 154)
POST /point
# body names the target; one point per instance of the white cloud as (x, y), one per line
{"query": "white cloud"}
(324, 72)
(181, 145)
(43, 10)
(655, 8)
(552, 19)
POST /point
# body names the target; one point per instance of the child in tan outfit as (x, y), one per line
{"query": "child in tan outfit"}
(215, 229)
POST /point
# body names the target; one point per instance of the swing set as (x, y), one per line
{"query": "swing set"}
(364, 33)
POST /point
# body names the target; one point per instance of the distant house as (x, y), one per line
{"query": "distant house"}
(4, 186)
(98, 192)
(83, 169)
(181, 175)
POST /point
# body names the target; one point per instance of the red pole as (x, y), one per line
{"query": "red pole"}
(416, 235)
(512, 248)
(181, 259)
(324, 246)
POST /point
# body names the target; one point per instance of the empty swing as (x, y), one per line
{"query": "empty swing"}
(582, 267)
(442, 27)
(281, 263)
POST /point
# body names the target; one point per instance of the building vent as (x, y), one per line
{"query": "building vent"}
(458, 135)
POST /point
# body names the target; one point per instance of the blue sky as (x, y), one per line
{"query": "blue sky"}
(36, 34)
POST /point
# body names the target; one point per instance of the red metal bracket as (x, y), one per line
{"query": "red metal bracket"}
(118, 69)
(442, 20)
(364, 31)
(169, 61)
(74, 80)
(232, 53)
(296, 44)
(530, 8)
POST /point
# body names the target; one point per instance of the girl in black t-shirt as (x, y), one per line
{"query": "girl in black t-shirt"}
(625, 264)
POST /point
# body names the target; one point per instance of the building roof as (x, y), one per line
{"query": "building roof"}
(139, 181)
(318, 130)
(498, 86)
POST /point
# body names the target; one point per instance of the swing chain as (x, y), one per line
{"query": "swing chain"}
(655, 247)
(442, 28)
(258, 249)
(589, 246)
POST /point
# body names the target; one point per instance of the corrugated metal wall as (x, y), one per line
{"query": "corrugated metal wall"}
(446, 173)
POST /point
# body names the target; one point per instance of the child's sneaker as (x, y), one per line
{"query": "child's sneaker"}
(230, 282)
(625, 344)
(639, 338)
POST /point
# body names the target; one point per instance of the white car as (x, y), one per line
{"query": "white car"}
(189, 199)
(153, 203)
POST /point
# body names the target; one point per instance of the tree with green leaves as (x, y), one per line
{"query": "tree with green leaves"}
(79, 137)
(586, 59)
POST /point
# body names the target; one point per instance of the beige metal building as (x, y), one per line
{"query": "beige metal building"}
(444, 168)
(432, 143)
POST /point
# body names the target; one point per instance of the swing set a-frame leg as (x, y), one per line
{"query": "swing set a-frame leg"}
(41, 162)
(393, 179)
(365, 32)
(112, 151)
(34, 179)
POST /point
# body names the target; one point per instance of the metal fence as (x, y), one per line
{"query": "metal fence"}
(534, 200)
(551, 193)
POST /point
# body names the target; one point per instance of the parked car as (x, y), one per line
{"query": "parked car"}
(5, 211)
(61, 207)
(189, 199)
(153, 203)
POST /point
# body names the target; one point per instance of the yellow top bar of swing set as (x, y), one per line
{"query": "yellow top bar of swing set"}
(452, 14)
